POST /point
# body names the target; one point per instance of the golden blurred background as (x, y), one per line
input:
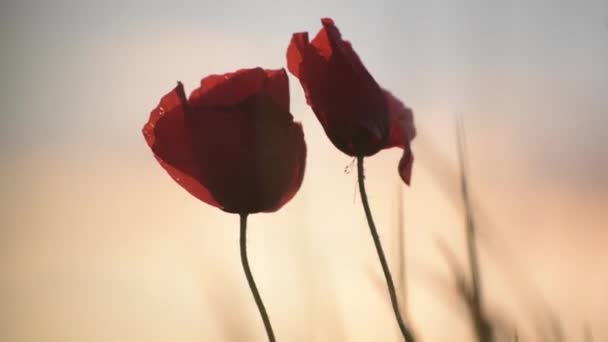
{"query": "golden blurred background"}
(97, 243)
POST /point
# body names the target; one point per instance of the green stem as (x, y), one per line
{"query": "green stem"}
(251, 282)
(407, 335)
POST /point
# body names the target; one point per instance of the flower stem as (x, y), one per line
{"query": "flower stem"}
(251, 282)
(407, 335)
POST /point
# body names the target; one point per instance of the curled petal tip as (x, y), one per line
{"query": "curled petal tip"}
(405, 166)
(327, 21)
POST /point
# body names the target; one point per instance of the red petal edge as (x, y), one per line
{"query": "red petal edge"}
(166, 134)
(228, 89)
(298, 44)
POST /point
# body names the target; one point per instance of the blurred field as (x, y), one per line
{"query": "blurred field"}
(98, 244)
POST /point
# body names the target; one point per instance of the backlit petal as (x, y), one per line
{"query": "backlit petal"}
(167, 135)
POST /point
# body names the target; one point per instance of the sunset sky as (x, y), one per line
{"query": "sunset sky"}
(97, 243)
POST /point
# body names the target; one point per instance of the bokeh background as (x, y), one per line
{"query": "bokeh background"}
(97, 243)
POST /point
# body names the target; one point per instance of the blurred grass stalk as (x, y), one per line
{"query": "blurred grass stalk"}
(548, 326)
(483, 328)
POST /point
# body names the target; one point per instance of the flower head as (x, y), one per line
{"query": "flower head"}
(233, 144)
(359, 117)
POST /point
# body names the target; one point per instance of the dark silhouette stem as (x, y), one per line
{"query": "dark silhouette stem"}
(251, 282)
(407, 335)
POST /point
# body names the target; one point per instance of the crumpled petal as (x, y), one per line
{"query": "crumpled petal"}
(308, 66)
(402, 133)
(167, 135)
(298, 47)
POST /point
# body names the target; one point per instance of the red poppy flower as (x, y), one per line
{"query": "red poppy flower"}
(358, 116)
(233, 144)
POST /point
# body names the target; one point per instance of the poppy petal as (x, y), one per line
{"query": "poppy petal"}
(166, 134)
(277, 86)
(402, 133)
(327, 39)
(298, 45)
(228, 89)
(296, 161)
(329, 44)
(246, 153)
(310, 68)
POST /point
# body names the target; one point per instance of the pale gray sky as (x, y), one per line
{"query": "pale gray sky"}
(530, 73)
